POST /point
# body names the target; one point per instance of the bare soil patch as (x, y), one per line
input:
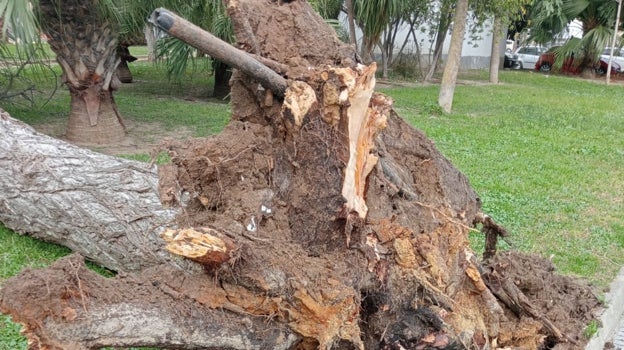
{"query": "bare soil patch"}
(141, 138)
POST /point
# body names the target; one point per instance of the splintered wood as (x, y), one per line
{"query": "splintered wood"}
(366, 115)
(203, 245)
(349, 104)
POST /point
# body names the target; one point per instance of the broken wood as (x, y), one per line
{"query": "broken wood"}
(204, 245)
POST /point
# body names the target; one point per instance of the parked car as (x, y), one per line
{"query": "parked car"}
(546, 62)
(528, 55)
(510, 61)
(617, 56)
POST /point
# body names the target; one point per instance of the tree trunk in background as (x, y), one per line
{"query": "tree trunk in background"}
(451, 69)
(443, 26)
(222, 75)
(317, 219)
(85, 45)
(123, 70)
(495, 56)
(150, 41)
(351, 21)
(2, 33)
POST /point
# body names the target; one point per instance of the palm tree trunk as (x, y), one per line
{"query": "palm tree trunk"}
(85, 44)
(447, 87)
(83, 129)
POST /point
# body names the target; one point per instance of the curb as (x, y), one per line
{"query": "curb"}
(612, 318)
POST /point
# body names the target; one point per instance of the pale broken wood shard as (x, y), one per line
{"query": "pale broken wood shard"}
(367, 115)
(204, 245)
(298, 100)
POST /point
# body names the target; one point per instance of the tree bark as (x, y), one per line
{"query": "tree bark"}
(117, 214)
(85, 45)
(351, 21)
(449, 78)
(150, 41)
(316, 219)
(495, 53)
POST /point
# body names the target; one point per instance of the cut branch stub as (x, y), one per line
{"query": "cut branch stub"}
(204, 245)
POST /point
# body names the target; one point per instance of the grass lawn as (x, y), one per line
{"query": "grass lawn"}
(545, 153)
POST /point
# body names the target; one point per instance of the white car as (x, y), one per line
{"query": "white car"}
(527, 56)
(617, 56)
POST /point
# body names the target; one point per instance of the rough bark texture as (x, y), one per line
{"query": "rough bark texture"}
(104, 207)
(85, 45)
(321, 220)
(495, 52)
(451, 68)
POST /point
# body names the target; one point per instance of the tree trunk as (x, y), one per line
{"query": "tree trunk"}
(318, 218)
(85, 44)
(123, 71)
(222, 75)
(495, 53)
(93, 118)
(2, 31)
(443, 27)
(447, 87)
(150, 41)
(351, 21)
(117, 215)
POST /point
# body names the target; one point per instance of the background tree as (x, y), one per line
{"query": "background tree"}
(449, 79)
(83, 36)
(351, 23)
(550, 18)
(381, 21)
(84, 39)
(501, 13)
(440, 18)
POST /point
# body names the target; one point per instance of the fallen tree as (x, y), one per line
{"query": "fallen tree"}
(317, 219)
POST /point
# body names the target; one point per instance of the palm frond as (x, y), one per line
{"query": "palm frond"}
(596, 39)
(24, 25)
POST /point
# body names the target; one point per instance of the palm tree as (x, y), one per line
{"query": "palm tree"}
(549, 18)
(84, 38)
(85, 43)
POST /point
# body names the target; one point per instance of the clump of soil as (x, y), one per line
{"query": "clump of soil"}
(570, 303)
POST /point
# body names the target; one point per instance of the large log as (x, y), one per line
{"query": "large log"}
(115, 214)
(316, 219)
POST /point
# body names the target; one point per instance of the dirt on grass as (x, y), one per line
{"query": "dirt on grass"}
(400, 277)
(141, 138)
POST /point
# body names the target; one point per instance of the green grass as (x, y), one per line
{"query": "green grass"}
(544, 153)
(138, 50)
